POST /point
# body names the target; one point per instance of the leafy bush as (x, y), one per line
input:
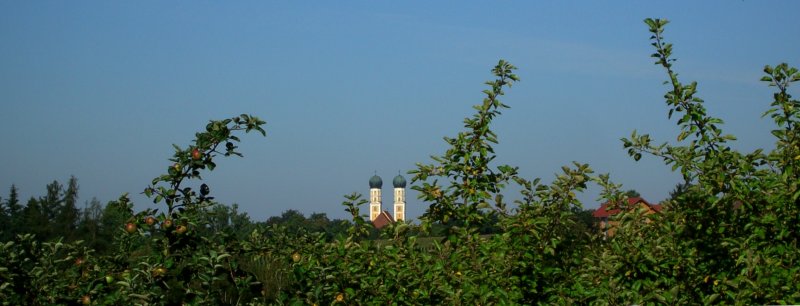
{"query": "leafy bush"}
(728, 237)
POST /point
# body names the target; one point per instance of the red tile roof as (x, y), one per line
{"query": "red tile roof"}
(382, 220)
(604, 212)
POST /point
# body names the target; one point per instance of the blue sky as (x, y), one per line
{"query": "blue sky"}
(101, 90)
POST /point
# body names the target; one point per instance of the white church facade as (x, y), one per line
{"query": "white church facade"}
(377, 215)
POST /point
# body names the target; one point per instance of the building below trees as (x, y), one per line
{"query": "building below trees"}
(607, 210)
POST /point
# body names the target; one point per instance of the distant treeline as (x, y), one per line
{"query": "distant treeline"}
(57, 215)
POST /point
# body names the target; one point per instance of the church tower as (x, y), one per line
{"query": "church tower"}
(375, 184)
(399, 183)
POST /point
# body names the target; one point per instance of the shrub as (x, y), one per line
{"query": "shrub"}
(730, 236)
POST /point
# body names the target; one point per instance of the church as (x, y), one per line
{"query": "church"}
(377, 215)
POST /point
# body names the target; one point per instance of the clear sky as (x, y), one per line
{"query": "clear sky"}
(101, 90)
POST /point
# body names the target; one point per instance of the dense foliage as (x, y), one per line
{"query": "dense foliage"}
(727, 235)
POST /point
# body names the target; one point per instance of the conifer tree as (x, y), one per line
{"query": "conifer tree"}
(67, 219)
(12, 204)
(12, 213)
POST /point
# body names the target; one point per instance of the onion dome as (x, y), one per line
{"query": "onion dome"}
(399, 181)
(375, 182)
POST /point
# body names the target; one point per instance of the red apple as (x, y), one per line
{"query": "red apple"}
(130, 227)
(196, 155)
